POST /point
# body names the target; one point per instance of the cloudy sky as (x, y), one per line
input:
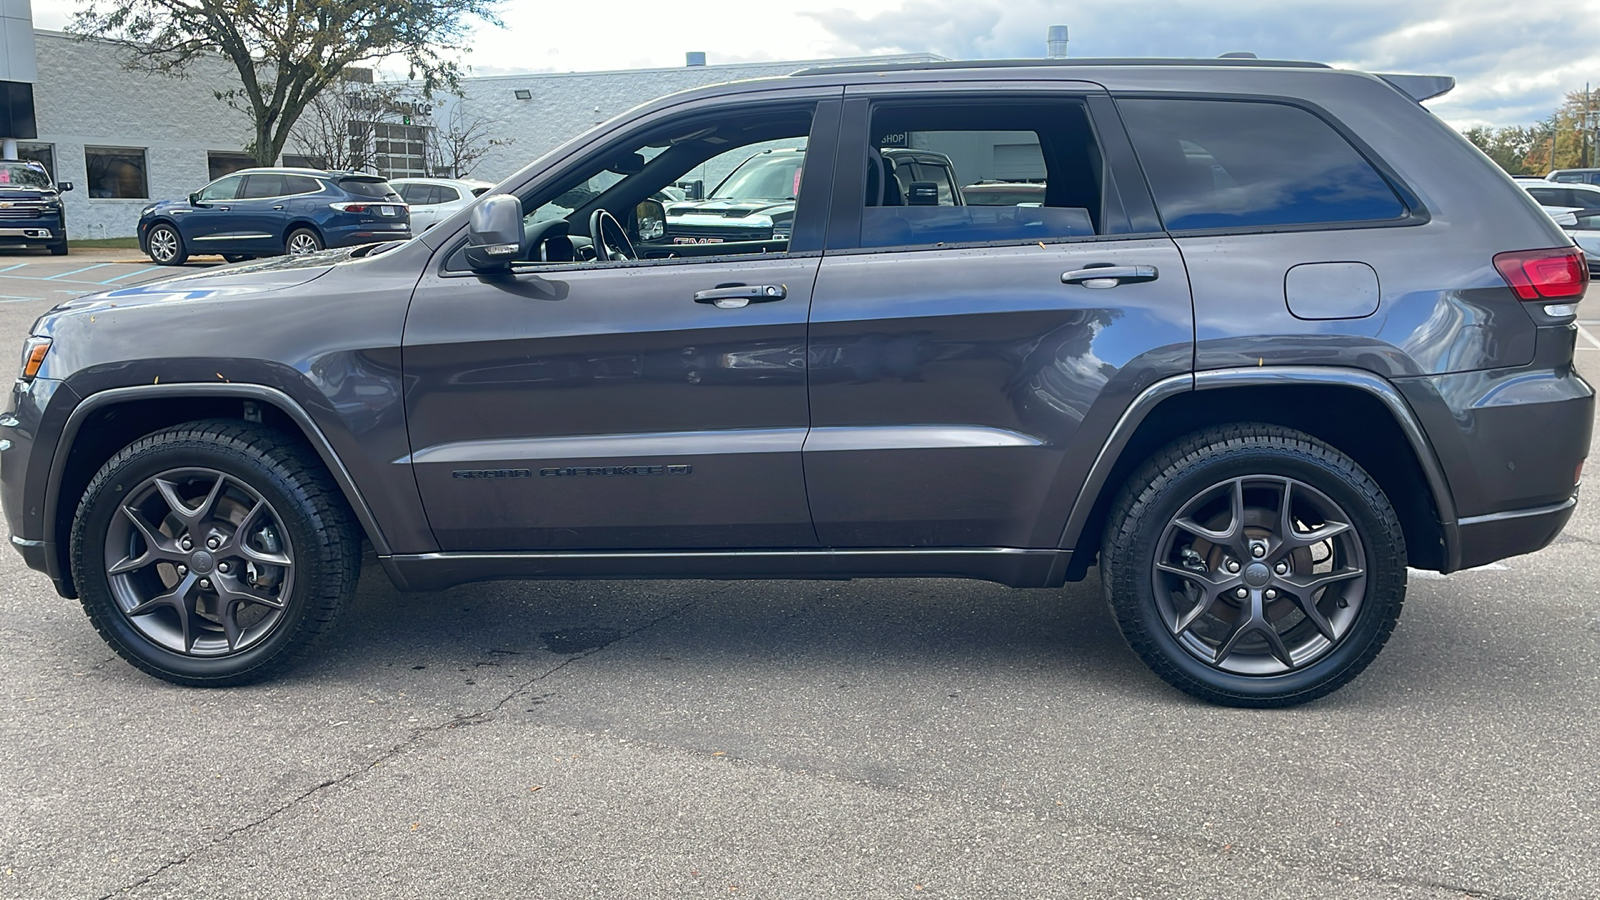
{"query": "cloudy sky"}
(1512, 62)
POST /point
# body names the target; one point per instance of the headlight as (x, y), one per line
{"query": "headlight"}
(33, 353)
(147, 210)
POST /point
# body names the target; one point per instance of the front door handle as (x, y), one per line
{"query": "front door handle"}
(738, 296)
(279, 206)
(1109, 276)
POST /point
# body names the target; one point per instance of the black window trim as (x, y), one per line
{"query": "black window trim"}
(1116, 152)
(1416, 213)
(825, 122)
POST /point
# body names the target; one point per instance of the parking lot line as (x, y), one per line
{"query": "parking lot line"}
(117, 278)
(74, 271)
(9, 268)
(1588, 335)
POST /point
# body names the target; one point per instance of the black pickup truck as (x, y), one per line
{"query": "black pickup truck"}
(30, 207)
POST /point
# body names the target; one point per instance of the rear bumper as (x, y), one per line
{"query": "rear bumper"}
(366, 233)
(1484, 539)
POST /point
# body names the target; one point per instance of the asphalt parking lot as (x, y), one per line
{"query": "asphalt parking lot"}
(851, 739)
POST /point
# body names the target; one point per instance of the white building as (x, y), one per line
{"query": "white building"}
(125, 138)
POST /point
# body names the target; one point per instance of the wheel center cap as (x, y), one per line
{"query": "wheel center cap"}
(1257, 575)
(201, 562)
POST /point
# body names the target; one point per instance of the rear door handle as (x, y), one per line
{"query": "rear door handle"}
(1110, 276)
(738, 296)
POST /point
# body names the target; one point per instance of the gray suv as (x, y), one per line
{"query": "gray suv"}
(1270, 334)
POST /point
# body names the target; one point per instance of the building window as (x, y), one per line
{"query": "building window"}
(222, 163)
(43, 154)
(400, 151)
(116, 172)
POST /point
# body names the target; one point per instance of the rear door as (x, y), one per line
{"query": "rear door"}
(968, 362)
(259, 217)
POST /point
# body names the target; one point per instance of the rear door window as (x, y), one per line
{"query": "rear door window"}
(1048, 142)
(261, 186)
(1249, 164)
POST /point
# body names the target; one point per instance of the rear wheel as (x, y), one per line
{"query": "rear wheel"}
(302, 241)
(1253, 565)
(213, 553)
(236, 257)
(165, 246)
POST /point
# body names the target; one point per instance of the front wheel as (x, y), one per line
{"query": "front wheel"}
(1254, 565)
(214, 553)
(165, 246)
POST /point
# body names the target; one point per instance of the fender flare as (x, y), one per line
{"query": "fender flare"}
(270, 396)
(1253, 376)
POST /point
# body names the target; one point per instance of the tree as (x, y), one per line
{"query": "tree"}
(337, 127)
(1509, 147)
(459, 141)
(288, 52)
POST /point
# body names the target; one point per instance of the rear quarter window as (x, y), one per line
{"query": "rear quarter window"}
(1250, 164)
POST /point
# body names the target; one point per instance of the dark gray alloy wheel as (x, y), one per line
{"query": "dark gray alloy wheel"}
(302, 241)
(1253, 565)
(213, 553)
(165, 246)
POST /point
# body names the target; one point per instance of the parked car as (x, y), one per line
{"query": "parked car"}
(31, 213)
(1004, 193)
(266, 212)
(1271, 336)
(756, 201)
(1575, 176)
(432, 200)
(1566, 196)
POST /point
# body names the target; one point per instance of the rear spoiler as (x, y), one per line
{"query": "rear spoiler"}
(1421, 87)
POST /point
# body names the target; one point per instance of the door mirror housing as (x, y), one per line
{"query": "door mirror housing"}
(63, 186)
(650, 221)
(494, 234)
(194, 198)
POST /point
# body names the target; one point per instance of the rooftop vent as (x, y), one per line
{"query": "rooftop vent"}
(1055, 42)
(1238, 54)
(694, 58)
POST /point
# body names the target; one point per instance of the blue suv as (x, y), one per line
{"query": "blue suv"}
(266, 212)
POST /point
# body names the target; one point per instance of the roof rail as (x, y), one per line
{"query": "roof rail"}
(1420, 87)
(1231, 61)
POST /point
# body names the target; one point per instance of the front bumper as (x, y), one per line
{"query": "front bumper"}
(29, 430)
(31, 232)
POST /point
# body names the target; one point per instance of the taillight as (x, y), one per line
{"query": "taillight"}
(352, 207)
(1557, 274)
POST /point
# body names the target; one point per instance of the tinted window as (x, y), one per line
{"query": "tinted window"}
(256, 186)
(936, 148)
(1240, 164)
(300, 184)
(115, 172)
(443, 193)
(368, 187)
(223, 189)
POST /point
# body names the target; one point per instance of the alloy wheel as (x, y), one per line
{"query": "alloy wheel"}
(303, 242)
(1259, 575)
(163, 245)
(199, 562)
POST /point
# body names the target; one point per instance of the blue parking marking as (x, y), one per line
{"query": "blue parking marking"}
(9, 268)
(129, 275)
(74, 272)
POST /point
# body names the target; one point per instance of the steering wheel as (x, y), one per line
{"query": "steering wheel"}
(611, 242)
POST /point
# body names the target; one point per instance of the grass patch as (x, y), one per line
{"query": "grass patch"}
(127, 243)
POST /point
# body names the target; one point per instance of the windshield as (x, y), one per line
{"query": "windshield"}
(764, 177)
(23, 175)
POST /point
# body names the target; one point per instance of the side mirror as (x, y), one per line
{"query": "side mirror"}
(494, 234)
(650, 221)
(194, 198)
(63, 186)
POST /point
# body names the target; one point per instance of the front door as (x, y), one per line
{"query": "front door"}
(968, 360)
(613, 404)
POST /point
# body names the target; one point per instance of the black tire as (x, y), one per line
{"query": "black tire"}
(1158, 570)
(236, 257)
(164, 246)
(302, 241)
(290, 499)
(58, 249)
